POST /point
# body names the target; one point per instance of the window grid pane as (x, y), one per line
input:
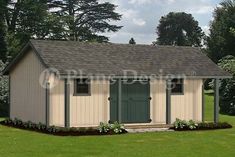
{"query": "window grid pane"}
(177, 86)
(82, 86)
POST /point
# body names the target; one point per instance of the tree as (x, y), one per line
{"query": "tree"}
(221, 39)
(179, 29)
(132, 41)
(3, 44)
(86, 18)
(25, 19)
(227, 88)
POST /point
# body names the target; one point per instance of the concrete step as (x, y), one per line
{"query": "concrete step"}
(130, 126)
(147, 130)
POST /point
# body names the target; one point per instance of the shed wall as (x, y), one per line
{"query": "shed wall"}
(189, 105)
(27, 97)
(186, 106)
(84, 110)
(93, 109)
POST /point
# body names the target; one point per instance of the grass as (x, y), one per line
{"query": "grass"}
(217, 143)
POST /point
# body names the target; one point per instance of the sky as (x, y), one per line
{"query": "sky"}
(141, 17)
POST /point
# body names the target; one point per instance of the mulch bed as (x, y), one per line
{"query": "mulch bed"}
(84, 132)
(206, 126)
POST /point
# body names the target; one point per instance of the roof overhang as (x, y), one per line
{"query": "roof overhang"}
(63, 76)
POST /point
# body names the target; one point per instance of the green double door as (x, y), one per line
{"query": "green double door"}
(134, 100)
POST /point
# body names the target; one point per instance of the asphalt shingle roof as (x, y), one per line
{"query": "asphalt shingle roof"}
(96, 58)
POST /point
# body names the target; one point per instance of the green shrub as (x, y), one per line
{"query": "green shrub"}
(104, 127)
(4, 92)
(180, 124)
(54, 129)
(41, 126)
(29, 124)
(7, 121)
(227, 87)
(17, 121)
(117, 128)
(192, 125)
(211, 125)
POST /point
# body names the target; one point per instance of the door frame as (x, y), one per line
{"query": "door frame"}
(119, 102)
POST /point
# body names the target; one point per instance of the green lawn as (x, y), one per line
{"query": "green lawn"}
(15, 142)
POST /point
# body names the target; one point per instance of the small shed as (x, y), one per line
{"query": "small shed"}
(79, 84)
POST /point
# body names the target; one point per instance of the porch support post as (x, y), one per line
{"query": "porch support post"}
(216, 100)
(67, 103)
(168, 101)
(120, 100)
(47, 104)
(203, 101)
(9, 96)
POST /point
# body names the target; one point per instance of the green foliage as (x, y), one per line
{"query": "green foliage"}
(227, 87)
(132, 41)
(211, 125)
(30, 125)
(192, 125)
(14, 44)
(3, 44)
(85, 18)
(4, 104)
(104, 127)
(115, 127)
(222, 37)
(180, 125)
(179, 28)
(232, 31)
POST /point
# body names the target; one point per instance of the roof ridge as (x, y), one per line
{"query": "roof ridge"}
(109, 43)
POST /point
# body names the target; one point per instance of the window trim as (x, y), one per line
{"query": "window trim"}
(82, 94)
(178, 93)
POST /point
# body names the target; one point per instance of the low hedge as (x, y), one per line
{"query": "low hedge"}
(212, 125)
(182, 125)
(60, 131)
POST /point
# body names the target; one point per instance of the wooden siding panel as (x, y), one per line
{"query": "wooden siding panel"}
(57, 111)
(27, 98)
(188, 105)
(158, 102)
(93, 109)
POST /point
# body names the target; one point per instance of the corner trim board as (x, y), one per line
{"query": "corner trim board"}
(47, 104)
(216, 100)
(67, 103)
(203, 101)
(168, 101)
